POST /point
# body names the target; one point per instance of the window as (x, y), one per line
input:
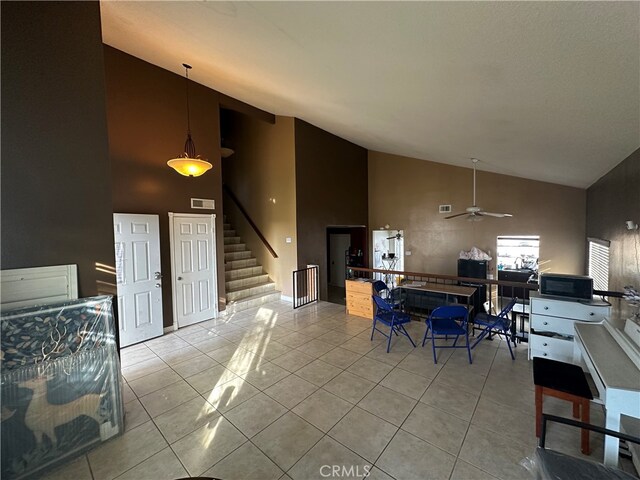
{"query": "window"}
(599, 263)
(518, 252)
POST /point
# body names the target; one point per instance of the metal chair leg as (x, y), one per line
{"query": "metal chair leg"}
(373, 330)
(390, 336)
(426, 332)
(506, 337)
(404, 330)
(433, 346)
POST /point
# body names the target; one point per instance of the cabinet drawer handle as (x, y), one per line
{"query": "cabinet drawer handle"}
(545, 344)
(544, 354)
(545, 323)
(546, 308)
(591, 314)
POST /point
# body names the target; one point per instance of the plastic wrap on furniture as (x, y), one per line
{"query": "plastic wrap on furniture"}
(60, 384)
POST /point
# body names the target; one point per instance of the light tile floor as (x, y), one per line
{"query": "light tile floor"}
(273, 393)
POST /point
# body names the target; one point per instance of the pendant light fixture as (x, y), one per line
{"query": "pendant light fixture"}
(189, 164)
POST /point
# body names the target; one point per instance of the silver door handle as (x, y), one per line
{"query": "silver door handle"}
(158, 285)
(179, 278)
(157, 275)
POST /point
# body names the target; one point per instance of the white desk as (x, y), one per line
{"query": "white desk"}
(616, 377)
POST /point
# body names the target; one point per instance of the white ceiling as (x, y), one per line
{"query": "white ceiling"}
(541, 90)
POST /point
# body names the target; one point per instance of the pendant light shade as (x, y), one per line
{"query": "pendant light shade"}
(189, 164)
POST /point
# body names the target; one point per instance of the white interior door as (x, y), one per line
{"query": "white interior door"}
(138, 277)
(194, 274)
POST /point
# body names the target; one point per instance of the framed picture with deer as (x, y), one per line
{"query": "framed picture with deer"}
(60, 383)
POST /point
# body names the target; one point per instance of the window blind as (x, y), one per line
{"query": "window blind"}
(599, 263)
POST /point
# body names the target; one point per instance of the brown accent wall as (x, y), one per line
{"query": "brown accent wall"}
(405, 193)
(56, 190)
(611, 201)
(146, 111)
(261, 173)
(331, 189)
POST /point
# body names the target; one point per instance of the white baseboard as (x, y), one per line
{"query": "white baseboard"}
(284, 298)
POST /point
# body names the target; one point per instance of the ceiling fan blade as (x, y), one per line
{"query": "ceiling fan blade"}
(456, 215)
(477, 211)
(497, 215)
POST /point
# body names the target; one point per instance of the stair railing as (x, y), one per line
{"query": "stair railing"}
(262, 238)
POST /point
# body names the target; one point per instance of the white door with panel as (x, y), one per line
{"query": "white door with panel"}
(138, 277)
(194, 275)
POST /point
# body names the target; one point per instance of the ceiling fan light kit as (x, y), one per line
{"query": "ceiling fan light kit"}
(475, 213)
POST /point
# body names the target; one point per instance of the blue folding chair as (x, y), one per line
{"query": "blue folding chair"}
(496, 324)
(392, 297)
(444, 321)
(381, 288)
(391, 318)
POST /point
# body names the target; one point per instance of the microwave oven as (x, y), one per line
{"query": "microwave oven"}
(571, 286)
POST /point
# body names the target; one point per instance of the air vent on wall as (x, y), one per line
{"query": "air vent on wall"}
(203, 203)
(444, 209)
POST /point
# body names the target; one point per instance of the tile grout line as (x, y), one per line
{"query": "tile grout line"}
(471, 419)
(409, 414)
(403, 422)
(361, 356)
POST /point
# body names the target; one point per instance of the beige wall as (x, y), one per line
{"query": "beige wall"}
(405, 193)
(262, 170)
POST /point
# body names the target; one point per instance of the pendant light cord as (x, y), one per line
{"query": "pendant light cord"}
(186, 70)
(189, 146)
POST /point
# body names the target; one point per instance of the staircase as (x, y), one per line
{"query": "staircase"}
(246, 283)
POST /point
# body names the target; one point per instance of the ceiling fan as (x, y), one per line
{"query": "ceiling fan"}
(397, 236)
(475, 213)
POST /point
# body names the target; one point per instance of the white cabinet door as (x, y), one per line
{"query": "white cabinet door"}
(138, 277)
(194, 268)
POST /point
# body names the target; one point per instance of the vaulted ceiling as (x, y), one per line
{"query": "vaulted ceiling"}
(541, 90)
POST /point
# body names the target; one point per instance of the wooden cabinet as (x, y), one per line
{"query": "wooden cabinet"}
(553, 325)
(359, 300)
